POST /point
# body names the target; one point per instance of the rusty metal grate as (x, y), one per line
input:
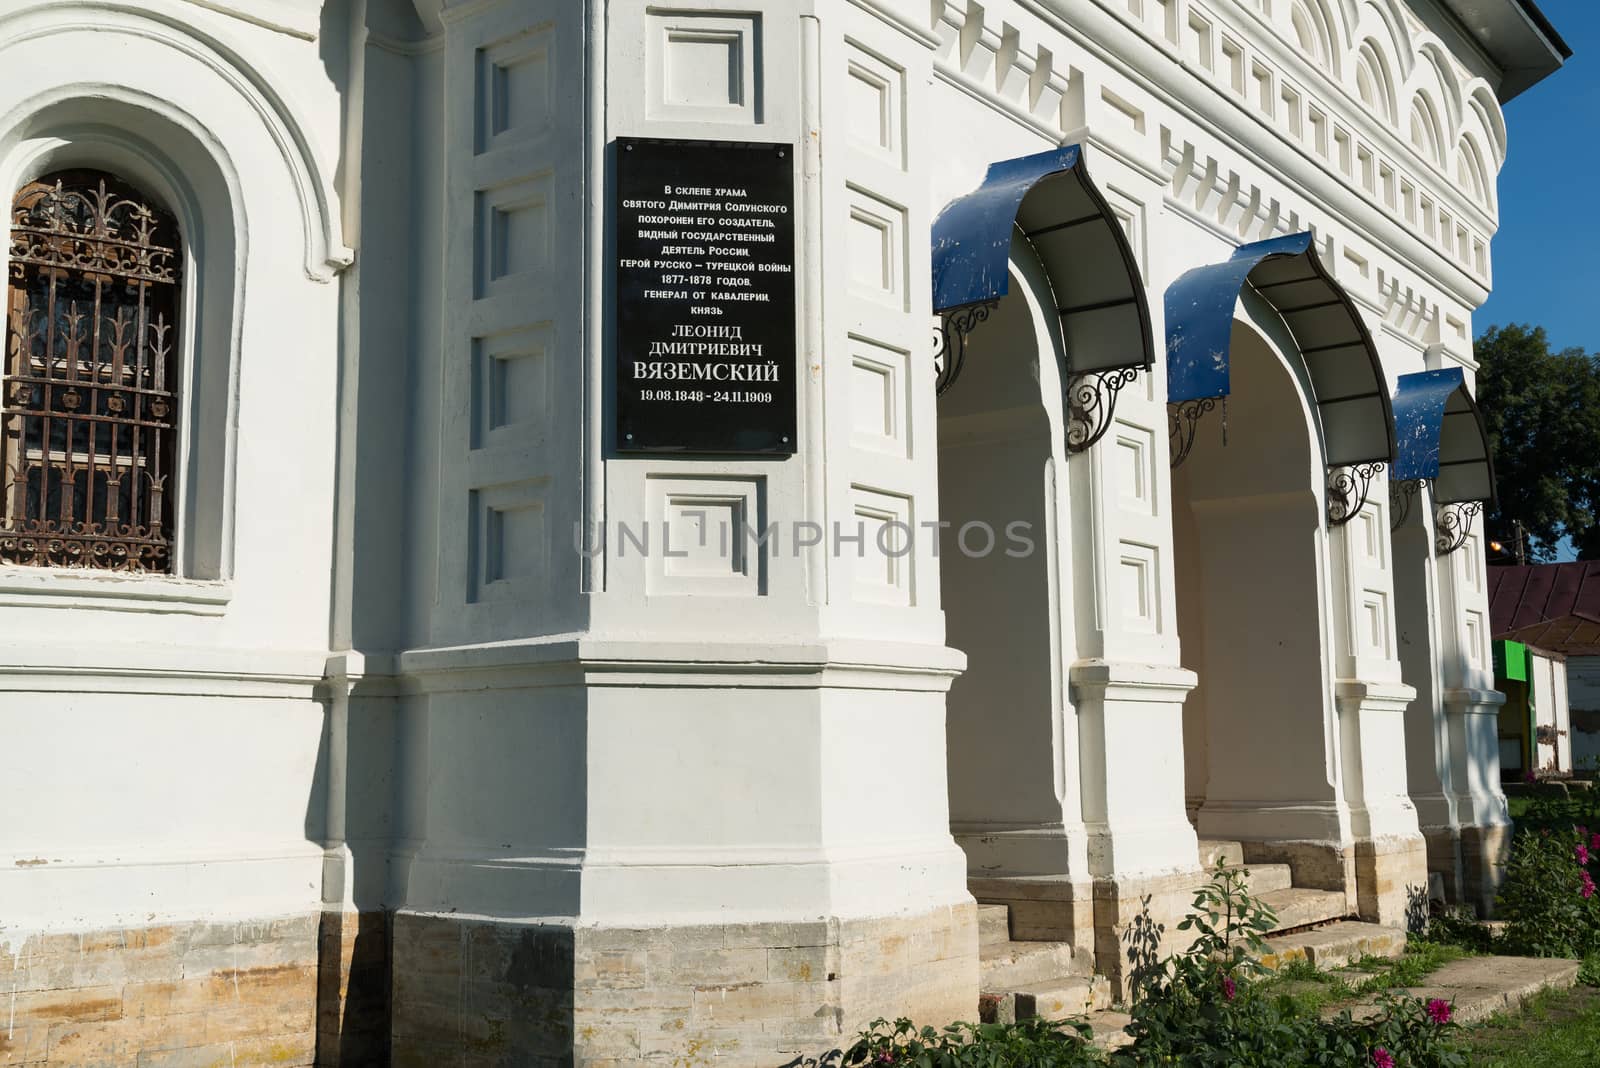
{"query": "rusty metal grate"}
(88, 423)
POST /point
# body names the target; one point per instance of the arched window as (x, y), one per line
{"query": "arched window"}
(88, 415)
(1372, 82)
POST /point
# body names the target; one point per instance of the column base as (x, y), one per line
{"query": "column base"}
(753, 993)
(1392, 880)
(1444, 860)
(1484, 853)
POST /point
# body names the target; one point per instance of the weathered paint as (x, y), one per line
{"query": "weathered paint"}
(1357, 423)
(1423, 402)
(1049, 196)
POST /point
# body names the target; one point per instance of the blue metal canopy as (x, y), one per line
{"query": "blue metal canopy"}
(1346, 374)
(1100, 297)
(1441, 436)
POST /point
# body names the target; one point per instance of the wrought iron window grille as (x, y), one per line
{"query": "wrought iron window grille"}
(89, 408)
(1349, 489)
(950, 341)
(1183, 422)
(1453, 525)
(1092, 404)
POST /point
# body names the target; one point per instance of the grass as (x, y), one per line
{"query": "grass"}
(1557, 1029)
(1311, 991)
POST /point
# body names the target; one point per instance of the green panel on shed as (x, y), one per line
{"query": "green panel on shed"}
(1510, 661)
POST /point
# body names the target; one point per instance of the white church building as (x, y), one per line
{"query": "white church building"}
(605, 533)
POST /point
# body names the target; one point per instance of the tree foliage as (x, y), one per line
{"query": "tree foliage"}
(1542, 410)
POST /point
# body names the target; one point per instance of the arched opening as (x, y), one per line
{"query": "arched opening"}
(1471, 174)
(1000, 449)
(1313, 31)
(1248, 556)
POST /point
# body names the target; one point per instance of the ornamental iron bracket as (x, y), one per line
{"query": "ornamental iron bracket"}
(1401, 493)
(1348, 490)
(950, 341)
(1092, 403)
(1183, 420)
(1453, 525)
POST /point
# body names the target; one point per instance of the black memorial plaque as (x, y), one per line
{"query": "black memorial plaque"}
(705, 297)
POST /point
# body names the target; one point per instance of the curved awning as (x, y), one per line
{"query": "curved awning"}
(1441, 436)
(1346, 374)
(1105, 317)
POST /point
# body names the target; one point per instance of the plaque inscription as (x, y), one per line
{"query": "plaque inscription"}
(705, 297)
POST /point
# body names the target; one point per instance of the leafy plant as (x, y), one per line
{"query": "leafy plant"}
(1549, 897)
(1025, 1044)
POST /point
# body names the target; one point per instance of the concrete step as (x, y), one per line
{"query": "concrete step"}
(1109, 1030)
(1063, 999)
(994, 924)
(1335, 945)
(1299, 907)
(1265, 878)
(1213, 850)
(1009, 965)
(1479, 987)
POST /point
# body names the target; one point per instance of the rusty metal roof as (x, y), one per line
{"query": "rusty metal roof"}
(1551, 606)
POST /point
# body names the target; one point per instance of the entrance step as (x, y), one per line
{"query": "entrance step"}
(1300, 907)
(1070, 998)
(1335, 945)
(1479, 987)
(1265, 878)
(1006, 966)
(994, 924)
(1214, 850)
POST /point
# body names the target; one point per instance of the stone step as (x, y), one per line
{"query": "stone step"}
(1335, 945)
(1213, 850)
(1006, 966)
(1299, 907)
(1063, 999)
(1479, 987)
(1265, 878)
(994, 924)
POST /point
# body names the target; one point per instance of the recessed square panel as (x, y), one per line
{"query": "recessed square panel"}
(704, 537)
(515, 82)
(875, 244)
(878, 401)
(1373, 620)
(1133, 463)
(512, 232)
(875, 104)
(510, 542)
(704, 66)
(1140, 598)
(511, 386)
(884, 556)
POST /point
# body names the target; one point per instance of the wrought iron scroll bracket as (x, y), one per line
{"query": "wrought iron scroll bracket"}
(1183, 420)
(950, 341)
(1092, 404)
(1401, 495)
(1348, 490)
(1453, 525)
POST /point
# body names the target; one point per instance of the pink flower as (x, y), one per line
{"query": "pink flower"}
(1583, 854)
(1527, 776)
(1228, 988)
(1382, 1058)
(886, 1057)
(1439, 1011)
(1594, 840)
(1588, 885)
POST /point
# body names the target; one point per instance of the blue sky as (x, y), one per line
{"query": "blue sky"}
(1547, 254)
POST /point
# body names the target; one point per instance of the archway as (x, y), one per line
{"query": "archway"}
(1252, 619)
(1000, 454)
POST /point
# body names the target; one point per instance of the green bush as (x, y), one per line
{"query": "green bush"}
(1203, 1007)
(1020, 1045)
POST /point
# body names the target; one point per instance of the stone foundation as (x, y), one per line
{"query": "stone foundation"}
(353, 990)
(1390, 873)
(233, 993)
(1313, 865)
(1484, 852)
(1444, 860)
(738, 994)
